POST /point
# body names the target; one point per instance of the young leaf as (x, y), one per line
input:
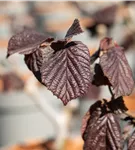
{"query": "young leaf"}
(74, 29)
(113, 133)
(67, 72)
(131, 142)
(116, 68)
(34, 46)
(26, 42)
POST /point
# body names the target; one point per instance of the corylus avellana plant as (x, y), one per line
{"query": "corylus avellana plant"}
(64, 67)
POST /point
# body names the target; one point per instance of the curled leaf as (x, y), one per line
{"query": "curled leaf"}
(90, 117)
(63, 66)
(116, 68)
(11, 82)
(26, 42)
(106, 15)
(67, 72)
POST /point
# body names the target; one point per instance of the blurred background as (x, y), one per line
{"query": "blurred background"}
(31, 117)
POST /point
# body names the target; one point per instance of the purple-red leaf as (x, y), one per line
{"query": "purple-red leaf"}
(106, 44)
(116, 68)
(74, 29)
(131, 142)
(114, 139)
(102, 133)
(99, 78)
(84, 122)
(26, 42)
(67, 72)
(63, 66)
(35, 60)
(105, 15)
(11, 82)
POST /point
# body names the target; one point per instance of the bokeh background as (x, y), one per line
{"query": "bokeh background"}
(31, 118)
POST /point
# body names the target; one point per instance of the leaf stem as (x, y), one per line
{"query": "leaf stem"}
(109, 87)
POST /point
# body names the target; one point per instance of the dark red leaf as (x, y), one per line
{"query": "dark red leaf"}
(106, 44)
(131, 142)
(26, 42)
(114, 139)
(99, 78)
(106, 15)
(11, 82)
(117, 105)
(35, 60)
(84, 122)
(102, 133)
(116, 68)
(58, 45)
(67, 72)
(74, 29)
(92, 116)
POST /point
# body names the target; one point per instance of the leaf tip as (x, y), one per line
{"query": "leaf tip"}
(74, 29)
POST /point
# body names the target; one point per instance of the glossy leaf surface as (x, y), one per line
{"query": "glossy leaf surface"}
(67, 72)
(26, 42)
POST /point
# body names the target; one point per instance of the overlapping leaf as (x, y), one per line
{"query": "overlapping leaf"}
(102, 133)
(67, 72)
(116, 68)
(35, 60)
(26, 42)
(63, 66)
(131, 142)
(84, 122)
